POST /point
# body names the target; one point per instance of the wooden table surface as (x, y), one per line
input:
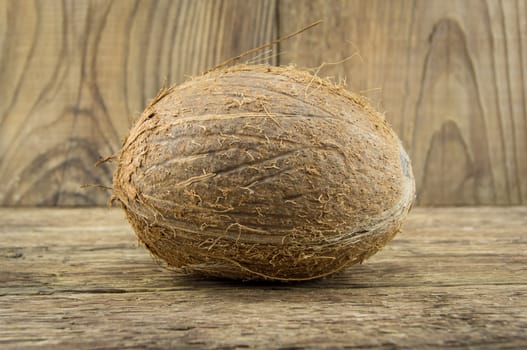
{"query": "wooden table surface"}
(76, 278)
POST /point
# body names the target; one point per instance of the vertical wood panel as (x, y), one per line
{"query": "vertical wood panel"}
(74, 73)
(450, 76)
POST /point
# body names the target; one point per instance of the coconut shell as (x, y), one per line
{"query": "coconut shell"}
(260, 172)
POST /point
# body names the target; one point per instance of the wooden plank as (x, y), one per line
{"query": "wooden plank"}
(76, 278)
(449, 74)
(73, 74)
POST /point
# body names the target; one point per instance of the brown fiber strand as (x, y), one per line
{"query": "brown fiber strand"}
(105, 160)
(256, 49)
(97, 186)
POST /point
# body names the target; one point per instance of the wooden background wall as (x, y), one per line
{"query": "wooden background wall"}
(451, 76)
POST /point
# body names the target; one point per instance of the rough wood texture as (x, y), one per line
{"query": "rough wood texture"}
(76, 279)
(74, 73)
(450, 75)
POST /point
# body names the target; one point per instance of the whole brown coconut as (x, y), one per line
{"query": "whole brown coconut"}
(260, 172)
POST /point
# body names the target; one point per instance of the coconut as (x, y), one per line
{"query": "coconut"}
(261, 172)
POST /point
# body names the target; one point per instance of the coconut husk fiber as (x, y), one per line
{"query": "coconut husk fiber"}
(262, 172)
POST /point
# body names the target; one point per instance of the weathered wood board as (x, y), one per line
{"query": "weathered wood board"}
(449, 74)
(76, 278)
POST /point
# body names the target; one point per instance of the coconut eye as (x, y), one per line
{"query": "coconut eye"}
(260, 172)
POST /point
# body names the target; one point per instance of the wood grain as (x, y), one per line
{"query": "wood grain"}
(73, 75)
(450, 75)
(75, 278)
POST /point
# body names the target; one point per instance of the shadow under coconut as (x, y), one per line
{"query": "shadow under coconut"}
(360, 283)
(371, 275)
